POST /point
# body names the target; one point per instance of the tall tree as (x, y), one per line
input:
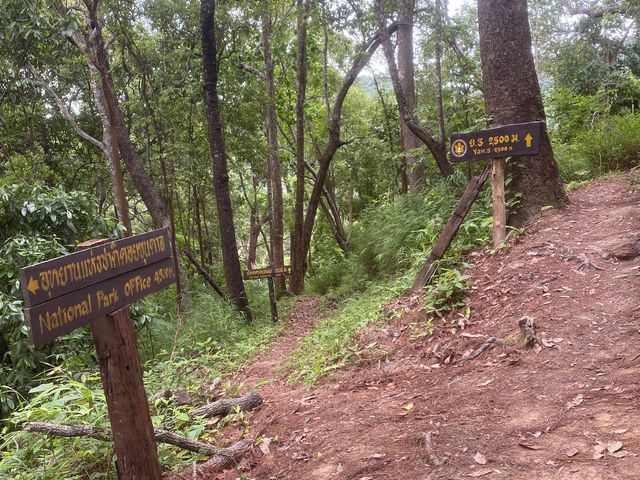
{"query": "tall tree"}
(434, 146)
(409, 142)
(230, 259)
(298, 252)
(274, 185)
(512, 95)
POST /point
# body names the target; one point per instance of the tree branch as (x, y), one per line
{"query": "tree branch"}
(64, 111)
(432, 144)
(224, 407)
(162, 436)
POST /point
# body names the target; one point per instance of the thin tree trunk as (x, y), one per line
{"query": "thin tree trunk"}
(415, 171)
(335, 142)
(230, 259)
(298, 248)
(273, 160)
(512, 95)
(432, 144)
(438, 60)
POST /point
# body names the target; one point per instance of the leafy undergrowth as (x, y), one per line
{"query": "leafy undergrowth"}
(394, 241)
(213, 340)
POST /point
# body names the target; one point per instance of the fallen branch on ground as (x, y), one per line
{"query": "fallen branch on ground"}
(162, 436)
(492, 342)
(226, 457)
(220, 408)
(57, 430)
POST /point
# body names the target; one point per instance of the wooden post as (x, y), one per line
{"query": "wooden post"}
(499, 230)
(450, 229)
(132, 430)
(272, 300)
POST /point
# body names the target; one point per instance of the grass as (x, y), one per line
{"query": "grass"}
(326, 348)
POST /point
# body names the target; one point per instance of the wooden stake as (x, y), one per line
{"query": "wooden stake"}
(133, 435)
(272, 300)
(450, 229)
(499, 230)
(132, 430)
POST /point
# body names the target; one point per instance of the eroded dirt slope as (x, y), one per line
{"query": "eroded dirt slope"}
(415, 409)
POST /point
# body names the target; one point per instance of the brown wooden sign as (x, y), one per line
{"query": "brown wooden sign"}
(509, 140)
(270, 272)
(49, 320)
(54, 278)
(67, 292)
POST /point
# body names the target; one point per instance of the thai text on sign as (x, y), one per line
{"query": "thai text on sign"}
(141, 265)
(506, 141)
(270, 272)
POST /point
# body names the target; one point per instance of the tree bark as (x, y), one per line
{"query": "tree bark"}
(298, 250)
(121, 373)
(273, 157)
(415, 171)
(230, 259)
(512, 95)
(203, 273)
(161, 436)
(439, 15)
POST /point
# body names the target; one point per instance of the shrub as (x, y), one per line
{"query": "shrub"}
(612, 144)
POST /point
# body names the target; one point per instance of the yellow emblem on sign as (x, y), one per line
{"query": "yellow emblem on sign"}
(459, 148)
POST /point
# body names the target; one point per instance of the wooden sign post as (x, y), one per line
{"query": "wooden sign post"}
(96, 284)
(269, 273)
(519, 139)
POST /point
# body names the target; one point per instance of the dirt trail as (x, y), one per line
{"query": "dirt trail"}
(413, 410)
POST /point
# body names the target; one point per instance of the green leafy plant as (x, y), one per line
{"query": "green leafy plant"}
(447, 292)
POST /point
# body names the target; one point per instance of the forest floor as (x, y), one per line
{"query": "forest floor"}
(416, 407)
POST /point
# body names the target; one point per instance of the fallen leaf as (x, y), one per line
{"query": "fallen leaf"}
(614, 446)
(548, 343)
(409, 406)
(599, 448)
(264, 446)
(480, 459)
(480, 473)
(620, 431)
(620, 454)
(530, 446)
(571, 452)
(578, 399)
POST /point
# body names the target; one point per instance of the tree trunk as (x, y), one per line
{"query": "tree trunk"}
(435, 148)
(273, 158)
(335, 142)
(298, 251)
(230, 259)
(415, 171)
(438, 59)
(512, 95)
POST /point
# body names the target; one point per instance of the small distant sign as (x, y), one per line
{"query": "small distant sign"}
(509, 140)
(270, 272)
(67, 292)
